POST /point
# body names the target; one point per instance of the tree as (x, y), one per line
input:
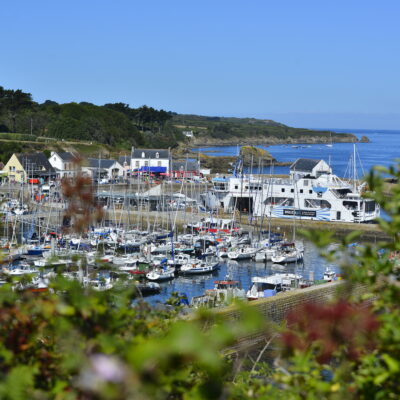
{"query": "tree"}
(13, 102)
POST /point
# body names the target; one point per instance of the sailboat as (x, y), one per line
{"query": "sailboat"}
(330, 144)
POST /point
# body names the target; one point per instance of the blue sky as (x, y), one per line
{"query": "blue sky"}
(305, 63)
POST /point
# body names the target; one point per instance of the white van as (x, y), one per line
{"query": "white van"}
(45, 189)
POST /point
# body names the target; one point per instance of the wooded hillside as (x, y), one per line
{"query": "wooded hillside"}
(118, 124)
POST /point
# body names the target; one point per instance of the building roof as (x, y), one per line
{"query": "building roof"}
(102, 163)
(67, 156)
(124, 159)
(35, 162)
(304, 164)
(150, 153)
(185, 165)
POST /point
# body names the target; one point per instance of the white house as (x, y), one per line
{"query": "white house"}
(64, 163)
(100, 168)
(150, 160)
(303, 167)
(188, 134)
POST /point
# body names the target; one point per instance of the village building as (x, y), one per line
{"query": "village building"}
(185, 168)
(65, 164)
(34, 167)
(156, 161)
(102, 168)
(188, 134)
(304, 167)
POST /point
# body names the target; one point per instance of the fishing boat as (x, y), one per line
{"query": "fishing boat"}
(329, 274)
(268, 286)
(223, 293)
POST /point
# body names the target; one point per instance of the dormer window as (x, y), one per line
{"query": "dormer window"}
(157, 155)
(143, 155)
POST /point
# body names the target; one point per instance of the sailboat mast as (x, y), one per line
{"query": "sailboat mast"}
(354, 168)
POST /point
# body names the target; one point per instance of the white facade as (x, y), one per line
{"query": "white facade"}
(320, 168)
(115, 171)
(142, 158)
(103, 169)
(64, 164)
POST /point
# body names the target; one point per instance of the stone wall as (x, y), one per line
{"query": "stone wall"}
(276, 308)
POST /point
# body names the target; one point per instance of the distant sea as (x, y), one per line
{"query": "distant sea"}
(383, 149)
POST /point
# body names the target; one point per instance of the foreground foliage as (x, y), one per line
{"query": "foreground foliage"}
(75, 343)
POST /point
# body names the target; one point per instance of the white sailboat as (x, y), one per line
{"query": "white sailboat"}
(161, 274)
(330, 144)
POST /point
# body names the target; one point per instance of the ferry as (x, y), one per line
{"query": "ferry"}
(310, 192)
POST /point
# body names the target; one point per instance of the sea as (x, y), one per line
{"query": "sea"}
(383, 149)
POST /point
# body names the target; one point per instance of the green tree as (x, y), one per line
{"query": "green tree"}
(13, 102)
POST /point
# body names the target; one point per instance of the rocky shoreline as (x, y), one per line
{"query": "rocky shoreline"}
(272, 140)
(252, 155)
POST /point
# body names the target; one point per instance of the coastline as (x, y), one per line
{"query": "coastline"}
(270, 141)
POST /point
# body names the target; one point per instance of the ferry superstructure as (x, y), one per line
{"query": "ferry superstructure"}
(311, 191)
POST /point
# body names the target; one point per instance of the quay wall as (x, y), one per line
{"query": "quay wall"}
(275, 309)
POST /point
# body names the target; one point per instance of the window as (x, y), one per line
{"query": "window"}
(159, 164)
(137, 163)
(283, 190)
(143, 155)
(146, 163)
(246, 188)
(291, 190)
(157, 155)
(301, 190)
(310, 191)
(236, 187)
(305, 182)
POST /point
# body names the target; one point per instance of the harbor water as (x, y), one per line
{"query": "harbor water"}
(313, 265)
